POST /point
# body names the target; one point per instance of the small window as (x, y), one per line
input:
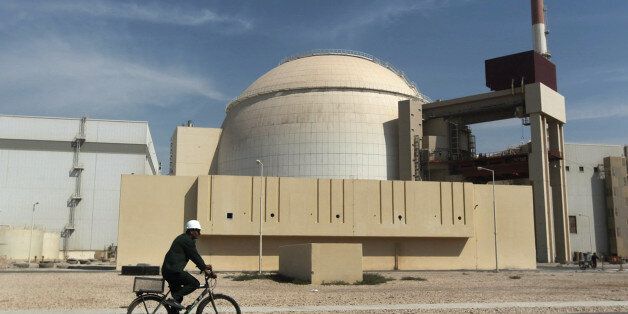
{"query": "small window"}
(581, 169)
(596, 169)
(566, 168)
(229, 215)
(573, 224)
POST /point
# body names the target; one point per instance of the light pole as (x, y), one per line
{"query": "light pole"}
(494, 217)
(30, 239)
(261, 212)
(590, 241)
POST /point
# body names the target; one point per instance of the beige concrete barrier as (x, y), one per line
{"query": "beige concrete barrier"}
(322, 262)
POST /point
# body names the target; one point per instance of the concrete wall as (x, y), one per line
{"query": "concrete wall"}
(616, 182)
(50, 246)
(442, 225)
(152, 213)
(586, 195)
(193, 150)
(14, 243)
(323, 207)
(319, 263)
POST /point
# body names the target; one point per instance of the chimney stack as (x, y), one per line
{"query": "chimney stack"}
(538, 28)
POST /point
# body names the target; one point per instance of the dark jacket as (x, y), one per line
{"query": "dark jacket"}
(182, 250)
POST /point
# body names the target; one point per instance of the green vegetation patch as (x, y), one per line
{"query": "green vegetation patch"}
(247, 276)
(373, 279)
(272, 276)
(413, 278)
(335, 283)
(276, 277)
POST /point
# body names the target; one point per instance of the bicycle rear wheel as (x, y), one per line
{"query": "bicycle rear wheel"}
(147, 304)
(224, 304)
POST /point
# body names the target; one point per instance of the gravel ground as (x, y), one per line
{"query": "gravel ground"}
(97, 290)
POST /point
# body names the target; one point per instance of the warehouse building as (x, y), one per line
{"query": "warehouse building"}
(64, 174)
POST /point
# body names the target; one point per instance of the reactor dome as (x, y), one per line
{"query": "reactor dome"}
(325, 114)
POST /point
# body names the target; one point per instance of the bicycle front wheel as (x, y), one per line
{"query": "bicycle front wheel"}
(147, 304)
(223, 303)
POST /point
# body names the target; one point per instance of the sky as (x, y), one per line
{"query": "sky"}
(167, 62)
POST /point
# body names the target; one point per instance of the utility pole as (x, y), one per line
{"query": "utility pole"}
(494, 217)
(261, 212)
(30, 239)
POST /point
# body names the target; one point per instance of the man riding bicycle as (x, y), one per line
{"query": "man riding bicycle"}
(182, 250)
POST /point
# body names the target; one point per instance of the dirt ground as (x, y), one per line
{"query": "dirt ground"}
(98, 290)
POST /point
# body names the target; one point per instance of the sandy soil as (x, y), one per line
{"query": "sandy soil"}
(72, 290)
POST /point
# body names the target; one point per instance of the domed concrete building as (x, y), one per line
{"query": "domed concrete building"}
(327, 114)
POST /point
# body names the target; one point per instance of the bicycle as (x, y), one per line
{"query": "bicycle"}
(151, 299)
(584, 264)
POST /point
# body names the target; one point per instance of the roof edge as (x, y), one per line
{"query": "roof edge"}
(356, 54)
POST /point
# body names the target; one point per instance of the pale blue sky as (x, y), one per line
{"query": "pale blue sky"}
(172, 61)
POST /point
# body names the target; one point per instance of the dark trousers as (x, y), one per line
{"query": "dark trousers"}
(181, 284)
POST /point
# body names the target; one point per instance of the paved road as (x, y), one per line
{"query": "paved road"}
(375, 307)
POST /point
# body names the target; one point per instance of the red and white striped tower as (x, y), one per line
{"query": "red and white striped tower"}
(538, 28)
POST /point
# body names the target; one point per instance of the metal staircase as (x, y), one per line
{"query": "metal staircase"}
(76, 171)
(454, 141)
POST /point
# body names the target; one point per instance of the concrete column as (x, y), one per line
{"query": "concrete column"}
(559, 193)
(409, 128)
(539, 175)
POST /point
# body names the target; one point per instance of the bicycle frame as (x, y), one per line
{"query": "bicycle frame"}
(207, 291)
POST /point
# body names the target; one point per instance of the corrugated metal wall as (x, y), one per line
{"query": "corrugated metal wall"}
(30, 172)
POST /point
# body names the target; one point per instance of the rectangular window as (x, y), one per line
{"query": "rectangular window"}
(581, 169)
(566, 168)
(573, 225)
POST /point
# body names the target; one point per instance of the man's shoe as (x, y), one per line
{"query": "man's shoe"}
(174, 304)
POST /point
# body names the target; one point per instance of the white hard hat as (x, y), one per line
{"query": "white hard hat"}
(193, 224)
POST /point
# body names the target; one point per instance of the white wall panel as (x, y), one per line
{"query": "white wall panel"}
(585, 194)
(35, 175)
(116, 132)
(38, 128)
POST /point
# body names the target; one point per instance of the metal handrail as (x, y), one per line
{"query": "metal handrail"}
(342, 52)
(359, 54)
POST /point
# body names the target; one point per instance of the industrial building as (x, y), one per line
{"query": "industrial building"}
(591, 185)
(63, 174)
(401, 224)
(327, 114)
(341, 140)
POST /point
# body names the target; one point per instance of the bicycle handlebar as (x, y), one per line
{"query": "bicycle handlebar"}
(210, 274)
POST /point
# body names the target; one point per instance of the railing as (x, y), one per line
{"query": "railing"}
(359, 54)
(340, 52)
